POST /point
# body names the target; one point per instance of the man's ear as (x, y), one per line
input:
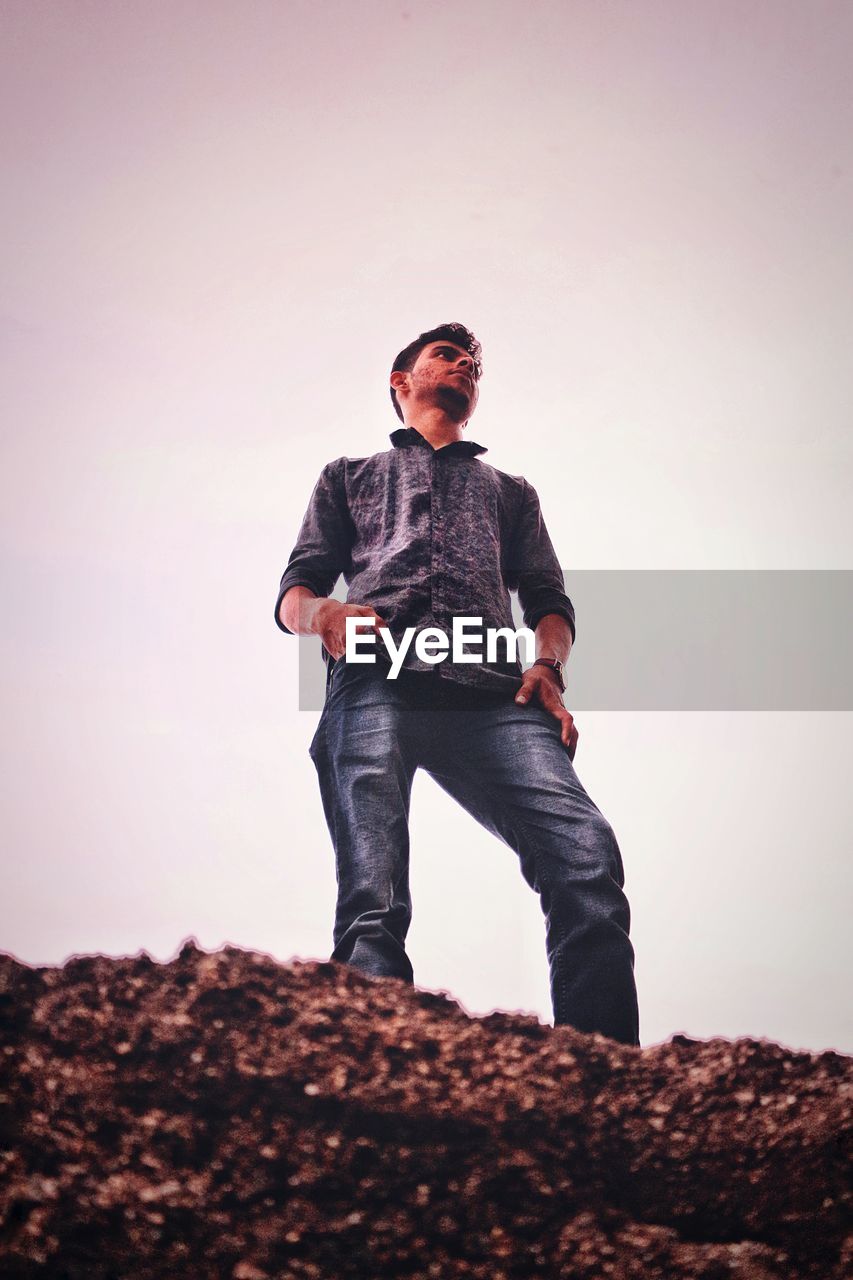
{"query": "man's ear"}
(399, 380)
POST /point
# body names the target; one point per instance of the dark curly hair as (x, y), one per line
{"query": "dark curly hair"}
(455, 333)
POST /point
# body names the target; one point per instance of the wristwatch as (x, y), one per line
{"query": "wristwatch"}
(556, 666)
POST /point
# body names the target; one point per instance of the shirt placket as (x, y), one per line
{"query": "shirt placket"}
(437, 520)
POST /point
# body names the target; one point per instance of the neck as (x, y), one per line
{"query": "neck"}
(434, 425)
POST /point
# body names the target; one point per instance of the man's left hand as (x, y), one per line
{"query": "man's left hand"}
(540, 685)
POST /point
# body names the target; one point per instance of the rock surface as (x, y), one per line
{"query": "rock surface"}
(227, 1116)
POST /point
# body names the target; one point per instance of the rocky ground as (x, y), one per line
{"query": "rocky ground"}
(228, 1116)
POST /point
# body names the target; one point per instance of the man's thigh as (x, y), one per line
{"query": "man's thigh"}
(362, 748)
(363, 712)
(509, 768)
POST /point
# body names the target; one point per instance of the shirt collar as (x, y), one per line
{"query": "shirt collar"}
(404, 436)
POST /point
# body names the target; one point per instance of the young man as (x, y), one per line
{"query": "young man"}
(425, 533)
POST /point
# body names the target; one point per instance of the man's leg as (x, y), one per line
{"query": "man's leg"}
(365, 771)
(507, 766)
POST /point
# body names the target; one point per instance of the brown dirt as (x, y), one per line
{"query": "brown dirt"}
(227, 1116)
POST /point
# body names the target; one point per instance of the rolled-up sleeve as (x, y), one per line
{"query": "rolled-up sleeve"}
(324, 541)
(532, 566)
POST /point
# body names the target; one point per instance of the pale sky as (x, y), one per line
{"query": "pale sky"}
(221, 222)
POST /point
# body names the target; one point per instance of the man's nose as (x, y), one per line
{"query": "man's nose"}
(467, 363)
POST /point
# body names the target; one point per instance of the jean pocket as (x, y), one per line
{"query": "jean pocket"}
(338, 671)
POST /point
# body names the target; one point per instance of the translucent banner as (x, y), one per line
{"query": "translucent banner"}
(692, 640)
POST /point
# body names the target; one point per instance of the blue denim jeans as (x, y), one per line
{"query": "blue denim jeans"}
(507, 766)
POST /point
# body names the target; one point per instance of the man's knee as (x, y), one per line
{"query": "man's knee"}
(588, 858)
(606, 842)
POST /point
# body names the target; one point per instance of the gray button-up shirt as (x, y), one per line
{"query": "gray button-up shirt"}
(424, 535)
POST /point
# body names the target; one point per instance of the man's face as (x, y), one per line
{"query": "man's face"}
(445, 374)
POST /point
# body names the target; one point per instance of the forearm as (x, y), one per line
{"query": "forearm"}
(553, 637)
(298, 610)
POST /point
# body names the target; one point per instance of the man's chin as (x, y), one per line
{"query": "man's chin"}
(456, 404)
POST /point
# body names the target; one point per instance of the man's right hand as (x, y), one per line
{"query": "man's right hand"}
(330, 619)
